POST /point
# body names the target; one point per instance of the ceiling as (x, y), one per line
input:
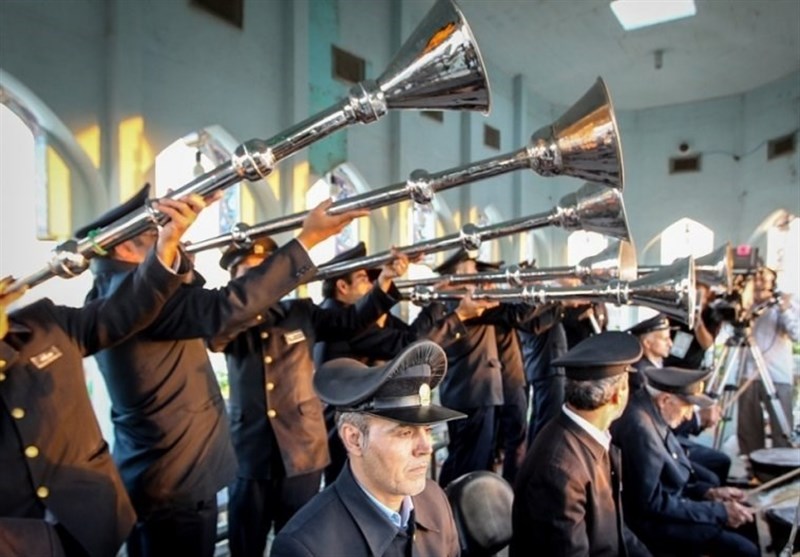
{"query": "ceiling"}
(561, 46)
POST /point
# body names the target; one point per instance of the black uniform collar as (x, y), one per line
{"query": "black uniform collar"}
(377, 529)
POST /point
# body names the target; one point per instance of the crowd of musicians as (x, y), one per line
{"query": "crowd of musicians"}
(339, 395)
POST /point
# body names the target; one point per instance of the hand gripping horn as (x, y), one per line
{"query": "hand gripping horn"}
(617, 261)
(593, 207)
(583, 143)
(439, 67)
(670, 290)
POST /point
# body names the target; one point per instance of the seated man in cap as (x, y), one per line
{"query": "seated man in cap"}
(172, 438)
(277, 425)
(654, 335)
(383, 339)
(382, 503)
(667, 506)
(567, 496)
(60, 493)
(712, 465)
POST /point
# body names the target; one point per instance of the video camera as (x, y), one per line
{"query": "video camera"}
(737, 306)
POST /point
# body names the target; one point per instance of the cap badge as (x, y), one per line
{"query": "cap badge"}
(424, 395)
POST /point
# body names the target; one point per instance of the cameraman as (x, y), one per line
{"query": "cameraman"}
(775, 327)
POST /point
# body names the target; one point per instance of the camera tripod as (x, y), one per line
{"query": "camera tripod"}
(738, 348)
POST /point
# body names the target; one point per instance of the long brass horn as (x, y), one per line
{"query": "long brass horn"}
(583, 143)
(670, 290)
(617, 261)
(593, 207)
(438, 67)
(713, 269)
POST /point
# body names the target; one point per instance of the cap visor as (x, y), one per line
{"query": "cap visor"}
(419, 415)
(702, 401)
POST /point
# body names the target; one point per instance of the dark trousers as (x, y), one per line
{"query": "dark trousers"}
(176, 530)
(707, 461)
(471, 444)
(512, 428)
(548, 398)
(255, 505)
(728, 543)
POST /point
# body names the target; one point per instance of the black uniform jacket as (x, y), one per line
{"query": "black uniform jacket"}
(271, 372)
(637, 380)
(567, 497)
(539, 350)
(662, 495)
(52, 454)
(172, 437)
(474, 377)
(343, 522)
(377, 344)
(509, 352)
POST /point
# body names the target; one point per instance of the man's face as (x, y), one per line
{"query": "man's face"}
(657, 343)
(245, 264)
(136, 249)
(467, 267)
(674, 410)
(763, 285)
(357, 287)
(394, 462)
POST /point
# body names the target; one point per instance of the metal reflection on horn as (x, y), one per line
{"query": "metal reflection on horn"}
(670, 290)
(714, 269)
(439, 67)
(617, 261)
(584, 143)
(594, 207)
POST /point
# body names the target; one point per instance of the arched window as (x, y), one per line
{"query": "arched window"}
(340, 183)
(683, 238)
(39, 177)
(35, 207)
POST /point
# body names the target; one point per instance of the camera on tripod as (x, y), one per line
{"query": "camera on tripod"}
(737, 306)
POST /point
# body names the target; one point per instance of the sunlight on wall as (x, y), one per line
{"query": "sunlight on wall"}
(135, 156)
(89, 140)
(59, 197)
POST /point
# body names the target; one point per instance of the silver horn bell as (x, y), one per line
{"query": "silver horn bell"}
(583, 143)
(594, 207)
(439, 67)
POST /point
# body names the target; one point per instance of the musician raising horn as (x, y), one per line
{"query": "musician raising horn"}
(173, 445)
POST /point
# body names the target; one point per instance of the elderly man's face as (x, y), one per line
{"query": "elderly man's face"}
(674, 410)
(394, 460)
(657, 343)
